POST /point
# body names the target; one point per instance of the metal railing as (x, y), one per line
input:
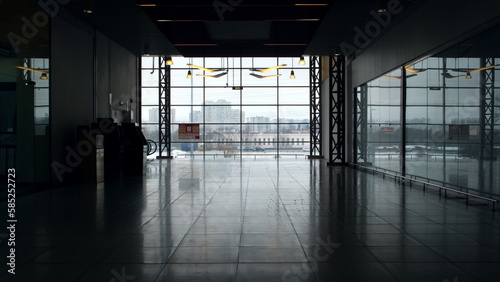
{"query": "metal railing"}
(426, 183)
(238, 155)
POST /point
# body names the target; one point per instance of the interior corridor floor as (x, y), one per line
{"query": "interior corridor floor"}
(250, 220)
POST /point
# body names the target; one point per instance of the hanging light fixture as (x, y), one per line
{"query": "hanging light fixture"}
(189, 74)
(292, 73)
(468, 76)
(169, 61)
(302, 61)
(44, 74)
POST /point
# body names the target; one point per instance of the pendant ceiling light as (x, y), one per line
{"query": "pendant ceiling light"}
(302, 61)
(468, 72)
(169, 61)
(292, 73)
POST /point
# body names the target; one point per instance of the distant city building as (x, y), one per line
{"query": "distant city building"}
(154, 115)
(219, 111)
(197, 117)
(259, 124)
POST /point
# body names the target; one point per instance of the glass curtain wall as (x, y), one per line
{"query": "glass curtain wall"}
(240, 110)
(383, 121)
(452, 117)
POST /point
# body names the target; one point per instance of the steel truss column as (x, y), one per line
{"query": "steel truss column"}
(315, 104)
(26, 62)
(361, 118)
(164, 104)
(337, 110)
(487, 104)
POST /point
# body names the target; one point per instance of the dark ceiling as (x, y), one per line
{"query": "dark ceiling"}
(227, 28)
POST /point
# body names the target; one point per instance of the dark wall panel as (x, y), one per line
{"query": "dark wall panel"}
(102, 77)
(434, 24)
(123, 79)
(116, 74)
(71, 85)
(77, 53)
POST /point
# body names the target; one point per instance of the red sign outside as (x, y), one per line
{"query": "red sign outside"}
(189, 131)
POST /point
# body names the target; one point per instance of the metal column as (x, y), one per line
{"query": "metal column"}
(361, 118)
(403, 104)
(164, 104)
(337, 110)
(315, 107)
(487, 105)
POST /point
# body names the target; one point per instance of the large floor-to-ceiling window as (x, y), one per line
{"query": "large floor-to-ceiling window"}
(451, 117)
(244, 106)
(382, 138)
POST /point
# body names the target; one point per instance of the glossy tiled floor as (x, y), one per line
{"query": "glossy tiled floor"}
(252, 220)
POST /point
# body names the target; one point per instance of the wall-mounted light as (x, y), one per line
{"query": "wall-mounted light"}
(169, 61)
(189, 74)
(302, 61)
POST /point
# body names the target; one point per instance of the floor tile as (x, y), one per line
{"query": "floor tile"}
(161, 239)
(271, 254)
(481, 271)
(139, 255)
(406, 254)
(104, 272)
(428, 271)
(211, 240)
(274, 272)
(73, 255)
(374, 240)
(270, 240)
(444, 239)
(338, 253)
(468, 253)
(205, 255)
(352, 272)
(215, 228)
(198, 273)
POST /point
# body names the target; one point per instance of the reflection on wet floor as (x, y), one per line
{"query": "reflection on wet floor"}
(252, 220)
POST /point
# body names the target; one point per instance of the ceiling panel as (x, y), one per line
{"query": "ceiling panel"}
(221, 28)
